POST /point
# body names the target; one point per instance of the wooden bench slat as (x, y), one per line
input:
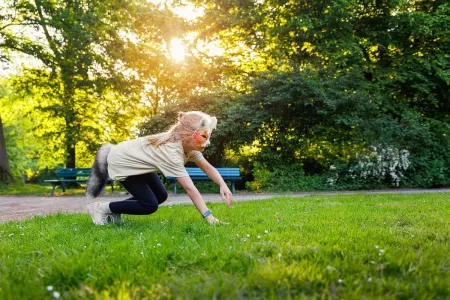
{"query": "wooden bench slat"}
(196, 174)
(76, 174)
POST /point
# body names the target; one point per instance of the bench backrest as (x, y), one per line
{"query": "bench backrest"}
(73, 172)
(224, 172)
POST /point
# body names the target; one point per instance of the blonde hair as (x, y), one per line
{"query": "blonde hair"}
(187, 123)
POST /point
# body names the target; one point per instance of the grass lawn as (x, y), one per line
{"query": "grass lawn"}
(339, 247)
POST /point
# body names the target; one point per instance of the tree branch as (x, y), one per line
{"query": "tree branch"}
(47, 34)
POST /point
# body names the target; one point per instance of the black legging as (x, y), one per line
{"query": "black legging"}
(148, 192)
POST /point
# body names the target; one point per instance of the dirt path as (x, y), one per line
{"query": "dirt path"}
(22, 207)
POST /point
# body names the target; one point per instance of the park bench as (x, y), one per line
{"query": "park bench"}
(196, 174)
(78, 175)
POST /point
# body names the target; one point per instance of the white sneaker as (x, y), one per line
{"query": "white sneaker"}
(98, 216)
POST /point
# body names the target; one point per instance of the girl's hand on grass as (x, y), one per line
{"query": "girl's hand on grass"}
(226, 194)
(211, 220)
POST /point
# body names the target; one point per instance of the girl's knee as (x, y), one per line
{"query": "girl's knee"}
(149, 209)
(163, 196)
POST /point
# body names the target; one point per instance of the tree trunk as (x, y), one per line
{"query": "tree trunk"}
(70, 155)
(5, 174)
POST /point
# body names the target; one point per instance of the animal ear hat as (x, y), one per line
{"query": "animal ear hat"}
(197, 120)
(188, 123)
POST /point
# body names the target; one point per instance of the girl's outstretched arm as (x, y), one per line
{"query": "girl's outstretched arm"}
(196, 197)
(217, 178)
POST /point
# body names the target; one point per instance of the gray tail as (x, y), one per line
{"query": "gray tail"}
(99, 172)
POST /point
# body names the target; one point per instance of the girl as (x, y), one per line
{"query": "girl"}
(135, 163)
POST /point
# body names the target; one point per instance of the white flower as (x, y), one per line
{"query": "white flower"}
(56, 294)
(142, 252)
(11, 234)
(340, 280)
(259, 237)
(248, 235)
(266, 231)
(159, 245)
(369, 279)
(376, 246)
(381, 250)
(49, 288)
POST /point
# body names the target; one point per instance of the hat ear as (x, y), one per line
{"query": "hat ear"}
(202, 123)
(213, 122)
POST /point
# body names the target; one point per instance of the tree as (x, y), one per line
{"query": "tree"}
(83, 55)
(5, 174)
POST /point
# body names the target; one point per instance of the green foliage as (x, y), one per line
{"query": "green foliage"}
(284, 179)
(82, 87)
(339, 247)
(310, 84)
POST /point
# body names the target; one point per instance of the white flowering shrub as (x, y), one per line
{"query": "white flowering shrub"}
(380, 164)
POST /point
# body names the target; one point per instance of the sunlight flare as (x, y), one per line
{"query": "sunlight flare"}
(177, 49)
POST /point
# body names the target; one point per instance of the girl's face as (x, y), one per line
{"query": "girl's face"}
(200, 137)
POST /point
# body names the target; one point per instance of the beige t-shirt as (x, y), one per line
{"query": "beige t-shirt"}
(137, 157)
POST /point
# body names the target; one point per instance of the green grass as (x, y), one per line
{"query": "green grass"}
(339, 247)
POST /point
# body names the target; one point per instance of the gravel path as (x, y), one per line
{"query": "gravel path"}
(22, 207)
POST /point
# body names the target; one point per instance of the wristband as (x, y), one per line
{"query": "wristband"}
(206, 213)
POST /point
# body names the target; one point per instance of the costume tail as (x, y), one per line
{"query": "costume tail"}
(99, 172)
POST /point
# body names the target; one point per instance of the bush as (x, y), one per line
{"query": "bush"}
(284, 179)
